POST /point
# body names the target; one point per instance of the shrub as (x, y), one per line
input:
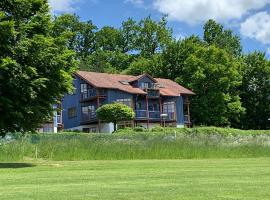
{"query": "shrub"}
(114, 113)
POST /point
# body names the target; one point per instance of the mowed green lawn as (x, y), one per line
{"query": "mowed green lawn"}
(138, 179)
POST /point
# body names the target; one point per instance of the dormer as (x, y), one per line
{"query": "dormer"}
(144, 81)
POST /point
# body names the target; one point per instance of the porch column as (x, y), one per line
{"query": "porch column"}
(98, 105)
(147, 112)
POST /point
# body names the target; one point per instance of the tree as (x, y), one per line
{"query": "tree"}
(214, 75)
(108, 39)
(255, 92)
(214, 34)
(35, 68)
(142, 65)
(173, 58)
(115, 113)
(80, 35)
(153, 36)
(129, 35)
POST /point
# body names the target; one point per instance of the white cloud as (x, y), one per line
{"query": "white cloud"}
(62, 5)
(196, 11)
(257, 27)
(135, 2)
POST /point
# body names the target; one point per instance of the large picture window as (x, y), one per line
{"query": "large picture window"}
(72, 112)
(169, 107)
(127, 102)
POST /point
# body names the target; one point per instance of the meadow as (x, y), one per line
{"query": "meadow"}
(199, 163)
(196, 143)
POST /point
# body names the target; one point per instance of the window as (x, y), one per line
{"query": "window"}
(169, 107)
(153, 107)
(84, 88)
(72, 112)
(88, 110)
(88, 113)
(127, 102)
(139, 105)
(145, 85)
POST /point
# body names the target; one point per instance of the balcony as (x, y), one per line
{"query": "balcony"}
(89, 117)
(153, 115)
(92, 94)
(152, 93)
(141, 114)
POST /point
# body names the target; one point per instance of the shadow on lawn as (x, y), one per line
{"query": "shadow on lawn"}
(16, 165)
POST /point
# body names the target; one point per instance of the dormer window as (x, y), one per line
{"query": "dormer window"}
(124, 82)
(145, 85)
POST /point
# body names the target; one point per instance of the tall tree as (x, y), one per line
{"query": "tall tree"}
(255, 92)
(129, 36)
(80, 35)
(153, 36)
(35, 68)
(108, 39)
(172, 59)
(215, 34)
(214, 76)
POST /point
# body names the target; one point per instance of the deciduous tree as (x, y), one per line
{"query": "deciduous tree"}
(35, 68)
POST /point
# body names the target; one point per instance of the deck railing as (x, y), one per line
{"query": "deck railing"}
(142, 114)
(89, 94)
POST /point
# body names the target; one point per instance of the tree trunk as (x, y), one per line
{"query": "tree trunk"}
(114, 126)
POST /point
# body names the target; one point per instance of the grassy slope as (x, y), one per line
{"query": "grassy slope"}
(145, 179)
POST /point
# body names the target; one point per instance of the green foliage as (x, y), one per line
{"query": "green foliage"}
(114, 113)
(35, 67)
(214, 76)
(142, 65)
(255, 92)
(214, 34)
(81, 36)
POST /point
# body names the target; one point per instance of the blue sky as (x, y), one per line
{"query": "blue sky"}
(250, 19)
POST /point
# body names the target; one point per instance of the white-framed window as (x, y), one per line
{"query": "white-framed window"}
(84, 88)
(127, 102)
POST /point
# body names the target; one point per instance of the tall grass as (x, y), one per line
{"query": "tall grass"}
(127, 144)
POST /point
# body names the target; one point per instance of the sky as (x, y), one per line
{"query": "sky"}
(249, 19)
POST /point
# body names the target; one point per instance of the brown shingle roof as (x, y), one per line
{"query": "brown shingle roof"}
(113, 81)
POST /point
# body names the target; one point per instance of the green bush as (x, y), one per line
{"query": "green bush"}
(139, 129)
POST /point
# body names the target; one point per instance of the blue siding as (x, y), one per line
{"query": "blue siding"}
(179, 108)
(113, 95)
(72, 101)
(141, 80)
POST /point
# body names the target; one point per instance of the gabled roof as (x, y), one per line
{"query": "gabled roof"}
(121, 82)
(136, 78)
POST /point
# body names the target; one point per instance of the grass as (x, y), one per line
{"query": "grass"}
(127, 144)
(219, 179)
